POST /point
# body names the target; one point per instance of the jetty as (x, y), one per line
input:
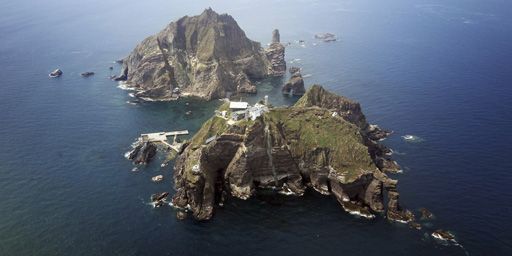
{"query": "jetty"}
(161, 137)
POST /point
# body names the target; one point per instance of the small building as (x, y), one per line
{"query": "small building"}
(238, 105)
(239, 115)
(256, 111)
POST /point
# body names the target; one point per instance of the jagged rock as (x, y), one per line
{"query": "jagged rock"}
(202, 55)
(122, 77)
(276, 38)
(157, 178)
(288, 149)
(244, 84)
(395, 212)
(275, 54)
(326, 37)
(55, 73)
(443, 235)
(143, 153)
(295, 86)
(294, 70)
(159, 198)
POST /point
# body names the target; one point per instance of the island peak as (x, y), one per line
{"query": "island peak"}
(206, 56)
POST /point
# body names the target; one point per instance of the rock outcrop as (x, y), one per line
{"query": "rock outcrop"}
(143, 153)
(206, 56)
(320, 143)
(55, 73)
(159, 199)
(275, 54)
(295, 86)
(326, 37)
(294, 70)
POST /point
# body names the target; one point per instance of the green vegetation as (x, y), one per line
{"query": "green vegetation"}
(214, 126)
(307, 129)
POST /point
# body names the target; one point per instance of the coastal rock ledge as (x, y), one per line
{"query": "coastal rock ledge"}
(206, 56)
(322, 142)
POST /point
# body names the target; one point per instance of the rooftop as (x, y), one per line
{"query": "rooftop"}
(238, 105)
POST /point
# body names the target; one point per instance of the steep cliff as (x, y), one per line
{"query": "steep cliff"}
(289, 150)
(275, 54)
(207, 56)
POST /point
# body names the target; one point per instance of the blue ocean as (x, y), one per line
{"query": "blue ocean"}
(438, 70)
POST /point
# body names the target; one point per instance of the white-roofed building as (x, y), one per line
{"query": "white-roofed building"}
(238, 105)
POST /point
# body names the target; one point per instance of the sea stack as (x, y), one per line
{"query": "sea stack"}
(275, 54)
(322, 142)
(295, 86)
(207, 56)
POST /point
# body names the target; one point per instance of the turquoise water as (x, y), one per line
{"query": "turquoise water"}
(440, 70)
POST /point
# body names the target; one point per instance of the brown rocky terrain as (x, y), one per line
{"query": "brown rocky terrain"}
(206, 56)
(275, 54)
(323, 142)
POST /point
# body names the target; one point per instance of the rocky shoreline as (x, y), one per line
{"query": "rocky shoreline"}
(284, 149)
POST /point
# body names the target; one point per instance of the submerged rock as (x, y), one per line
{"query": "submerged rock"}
(143, 153)
(287, 149)
(87, 74)
(294, 70)
(55, 73)
(181, 215)
(206, 56)
(415, 225)
(326, 37)
(426, 214)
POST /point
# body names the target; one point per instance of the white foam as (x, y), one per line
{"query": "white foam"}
(124, 86)
(412, 138)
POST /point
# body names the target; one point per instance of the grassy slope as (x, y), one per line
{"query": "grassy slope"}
(316, 128)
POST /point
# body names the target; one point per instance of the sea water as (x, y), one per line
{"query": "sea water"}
(438, 70)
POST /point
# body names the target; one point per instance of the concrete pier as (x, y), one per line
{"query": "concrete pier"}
(161, 137)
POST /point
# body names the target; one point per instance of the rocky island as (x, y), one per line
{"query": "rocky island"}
(206, 56)
(323, 142)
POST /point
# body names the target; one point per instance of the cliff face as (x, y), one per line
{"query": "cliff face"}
(206, 56)
(275, 54)
(288, 149)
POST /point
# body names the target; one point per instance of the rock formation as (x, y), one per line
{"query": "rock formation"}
(326, 37)
(159, 199)
(55, 73)
(294, 70)
(87, 74)
(275, 54)
(322, 142)
(143, 153)
(207, 56)
(295, 86)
